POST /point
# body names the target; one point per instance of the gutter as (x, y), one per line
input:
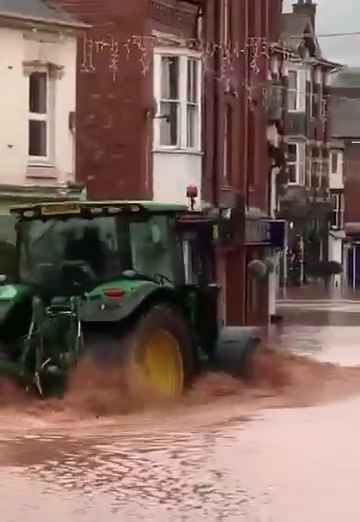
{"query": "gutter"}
(41, 193)
(6, 15)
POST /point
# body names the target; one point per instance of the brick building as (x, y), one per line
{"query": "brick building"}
(173, 93)
(237, 164)
(114, 98)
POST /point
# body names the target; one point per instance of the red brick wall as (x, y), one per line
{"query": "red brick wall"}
(352, 182)
(250, 164)
(249, 161)
(113, 128)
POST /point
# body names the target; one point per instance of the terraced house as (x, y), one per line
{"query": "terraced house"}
(38, 101)
(38, 85)
(306, 204)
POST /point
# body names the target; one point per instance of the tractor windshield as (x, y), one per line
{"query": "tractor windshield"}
(106, 246)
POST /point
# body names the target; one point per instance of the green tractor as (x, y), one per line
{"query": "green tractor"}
(107, 279)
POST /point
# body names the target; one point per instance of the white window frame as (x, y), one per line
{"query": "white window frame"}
(299, 163)
(296, 90)
(338, 210)
(296, 164)
(47, 117)
(184, 56)
(339, 162)
(300, 89)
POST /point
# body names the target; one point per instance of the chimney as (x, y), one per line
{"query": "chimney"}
(307, 8)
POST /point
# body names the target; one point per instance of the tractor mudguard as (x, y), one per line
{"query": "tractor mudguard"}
(10, 297)
(235, 347)
(100, 308)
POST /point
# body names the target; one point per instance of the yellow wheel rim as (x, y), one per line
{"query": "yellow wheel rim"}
(162, 365)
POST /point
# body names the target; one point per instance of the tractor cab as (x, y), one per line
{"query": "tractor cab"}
(71, 248)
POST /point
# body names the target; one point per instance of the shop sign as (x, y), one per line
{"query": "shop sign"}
(257, 232)
(278, 233)
(266, 232)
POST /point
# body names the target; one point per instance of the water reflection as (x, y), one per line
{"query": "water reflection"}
(176, 476)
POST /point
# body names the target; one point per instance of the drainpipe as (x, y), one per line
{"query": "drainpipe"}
(354, 266)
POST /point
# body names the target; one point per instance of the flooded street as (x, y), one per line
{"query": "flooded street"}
(286, 450)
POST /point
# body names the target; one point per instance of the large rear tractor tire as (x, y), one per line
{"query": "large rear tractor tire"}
(161, 348)
(158, 353)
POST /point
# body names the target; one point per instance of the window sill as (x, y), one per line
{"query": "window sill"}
(41, 171)
(174, 150)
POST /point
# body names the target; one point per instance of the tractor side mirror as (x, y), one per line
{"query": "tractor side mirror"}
(3, 279)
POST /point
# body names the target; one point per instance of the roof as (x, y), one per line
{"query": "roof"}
(42, 11)
(294, 27)
(346, 78)
(75, 207)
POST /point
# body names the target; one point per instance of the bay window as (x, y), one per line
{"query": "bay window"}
(177, 81)
(337, 216)
(296, 163)
(293, 91)
(336, 162)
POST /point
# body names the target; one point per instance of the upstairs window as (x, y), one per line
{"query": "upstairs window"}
(335, 163)
(337, 216)
(293, 163)
(192, 110)
(296, 90)
(296, 163)
(177, 89)
(293, 91)
(170, 101)
(39, 116)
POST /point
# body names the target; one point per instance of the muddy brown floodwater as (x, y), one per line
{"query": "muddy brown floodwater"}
(282, 447)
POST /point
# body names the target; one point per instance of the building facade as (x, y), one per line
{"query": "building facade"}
(344, 171)
(179, 93)
(38, 83)
(237, 162)
(306, 203)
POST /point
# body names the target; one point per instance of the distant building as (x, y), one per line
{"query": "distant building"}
(344, 171)
(306, 203)
(38, 101)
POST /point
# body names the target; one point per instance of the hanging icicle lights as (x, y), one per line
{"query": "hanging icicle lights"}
(141, 49)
